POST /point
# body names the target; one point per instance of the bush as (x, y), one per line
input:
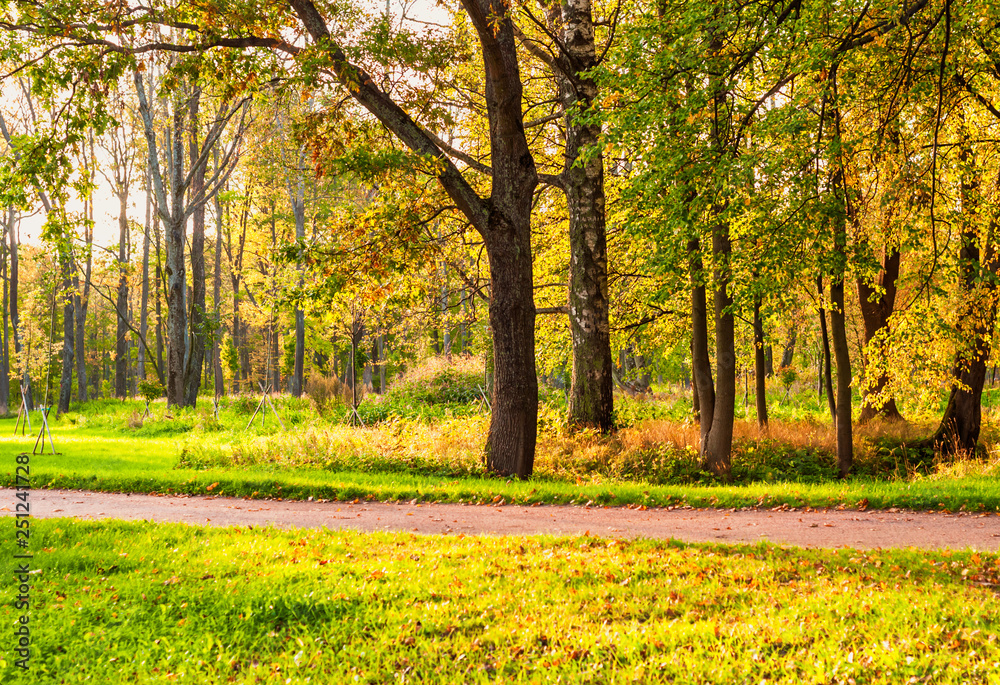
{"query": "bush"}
(439, 380)
(327, 393)
(151, 389)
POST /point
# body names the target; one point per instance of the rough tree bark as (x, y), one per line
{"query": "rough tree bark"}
(701, 367)
(877, 302)
(838, 331)
(788, 351)
(979, 285)
(717, 452)
(838, 314)
(591, 397)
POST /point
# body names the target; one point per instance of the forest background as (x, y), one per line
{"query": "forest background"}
(589, 197)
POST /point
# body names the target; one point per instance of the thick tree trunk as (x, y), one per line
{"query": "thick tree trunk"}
(195, 355)
(877, 305)
(701, 366)
(839, 218)
(174, 228)
(121, 334)
(760, 370)
(838, 331)
(717, 453)
(591, 397)
(511, 442)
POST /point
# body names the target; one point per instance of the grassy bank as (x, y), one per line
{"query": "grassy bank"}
(424, 440)
(439, 461)
(139, 602)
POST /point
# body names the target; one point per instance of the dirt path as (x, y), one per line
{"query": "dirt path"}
(822, 528)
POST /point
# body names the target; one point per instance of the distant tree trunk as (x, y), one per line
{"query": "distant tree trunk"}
(827, 370)
(760, 366)
(381, 366)
(876, 307)
(187, 196)
(5, 350)
(445, 322)
(15, 320)
(769, 361)
(299, 211)
(159, 291)
(275, 354)
(195, 356)
(66, 380)
(788, 352)
(81, 296)
(220, 386)
(121, 334)
(144, 302)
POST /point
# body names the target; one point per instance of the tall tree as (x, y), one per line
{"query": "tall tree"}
(175, 210)
(591, 397)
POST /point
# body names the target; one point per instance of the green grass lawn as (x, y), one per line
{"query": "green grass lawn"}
(123, 602)
(191, 453)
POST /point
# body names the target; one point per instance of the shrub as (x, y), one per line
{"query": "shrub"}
(440, 380)
(327, 392)
(150, 389)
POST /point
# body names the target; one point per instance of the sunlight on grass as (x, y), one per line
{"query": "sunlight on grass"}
(429, 445)
(140, 602)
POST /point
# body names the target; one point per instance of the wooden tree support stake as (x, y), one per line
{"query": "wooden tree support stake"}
(265, 399)
(355, 416)
(23, 412)
(147, 412)
(483, 398)
(43, 432)
(215, 405)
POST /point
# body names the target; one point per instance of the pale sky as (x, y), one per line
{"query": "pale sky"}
(106, 206)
